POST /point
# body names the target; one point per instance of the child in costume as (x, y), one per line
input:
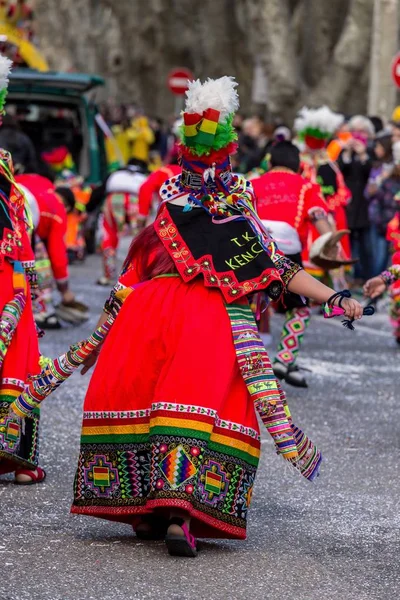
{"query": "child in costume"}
(120, 209)
(288, 206)
(170, 438)
(315, 127)
(19, 353)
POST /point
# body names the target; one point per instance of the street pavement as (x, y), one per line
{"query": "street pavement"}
(334, 539)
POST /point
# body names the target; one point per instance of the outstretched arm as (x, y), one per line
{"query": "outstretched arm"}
(376, 286)
(91, 360)
(305, 285)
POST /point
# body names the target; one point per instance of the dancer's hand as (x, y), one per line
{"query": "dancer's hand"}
(374, 287)
(89, 362)
(352, 308)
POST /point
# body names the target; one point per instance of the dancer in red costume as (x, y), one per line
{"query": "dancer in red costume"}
(170, 439)
(19, 352)
(289, 205)
(315, 127)
(51, 231)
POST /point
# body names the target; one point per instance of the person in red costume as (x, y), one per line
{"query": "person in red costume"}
(289, 205)
(391, 277)
(315, 127)
(19, 351)
(150, 190)
(170, 438)
(51, 231)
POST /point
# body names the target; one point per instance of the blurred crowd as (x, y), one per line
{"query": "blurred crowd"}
(143, 152)
(140, 137)
(366, 149)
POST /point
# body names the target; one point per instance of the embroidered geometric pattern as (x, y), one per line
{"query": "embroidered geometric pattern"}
(101, 476)
(189, 267)
(296, 322)
(17, 442)
(177, 467)
(174, 455)
(213, 482)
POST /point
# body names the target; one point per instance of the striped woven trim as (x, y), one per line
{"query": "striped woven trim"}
(268, 397)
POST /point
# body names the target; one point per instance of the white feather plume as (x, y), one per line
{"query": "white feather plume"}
(5, 69)
(323, 119)
(219, 94)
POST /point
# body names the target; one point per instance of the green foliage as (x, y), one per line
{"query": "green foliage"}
(224, 135)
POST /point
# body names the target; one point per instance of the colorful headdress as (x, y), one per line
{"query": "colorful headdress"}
(59, 159)
(207, 181)
(208, 117)
(5, 69)
(316, 125)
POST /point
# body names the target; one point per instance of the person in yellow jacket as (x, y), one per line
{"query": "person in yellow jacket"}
(140, 137)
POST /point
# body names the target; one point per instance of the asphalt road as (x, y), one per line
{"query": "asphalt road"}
(334, 539)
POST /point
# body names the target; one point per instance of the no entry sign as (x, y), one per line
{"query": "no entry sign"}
(178, 80)
(396, 69)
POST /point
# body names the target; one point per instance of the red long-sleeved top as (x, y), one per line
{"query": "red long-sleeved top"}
(52, 227)
(152, 186)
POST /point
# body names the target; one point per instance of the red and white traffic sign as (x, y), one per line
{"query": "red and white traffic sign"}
(396, 69)
(178, 80)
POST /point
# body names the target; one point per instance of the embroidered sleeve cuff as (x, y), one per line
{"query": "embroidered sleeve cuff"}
(114, 303)
(391, 275)
(32, 279)
(317, 214)
(287, 268)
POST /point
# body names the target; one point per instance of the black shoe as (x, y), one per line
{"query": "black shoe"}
(398, 341)
(74, 313)
(280, 370)
(151, 528)
(103, 281)
(48, 322)
(181, 545)
(295, 377)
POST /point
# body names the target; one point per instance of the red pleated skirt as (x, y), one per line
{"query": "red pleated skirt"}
(18, 446)
(168, 422)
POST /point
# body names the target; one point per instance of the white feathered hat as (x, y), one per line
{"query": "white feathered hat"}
(316, 125)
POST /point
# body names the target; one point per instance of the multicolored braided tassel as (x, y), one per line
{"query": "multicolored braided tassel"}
(56, 371)
(268, 397)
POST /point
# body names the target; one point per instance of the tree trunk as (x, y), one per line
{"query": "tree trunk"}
(311, 51)
(385, 37)
(349, 58)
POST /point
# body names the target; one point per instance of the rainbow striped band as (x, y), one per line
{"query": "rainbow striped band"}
(201, 129)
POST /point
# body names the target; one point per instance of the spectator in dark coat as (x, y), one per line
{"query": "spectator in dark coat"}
(356, 164)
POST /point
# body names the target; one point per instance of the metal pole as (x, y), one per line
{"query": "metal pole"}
(179, 104)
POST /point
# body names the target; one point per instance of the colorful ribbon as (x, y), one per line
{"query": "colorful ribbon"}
(201, 129)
